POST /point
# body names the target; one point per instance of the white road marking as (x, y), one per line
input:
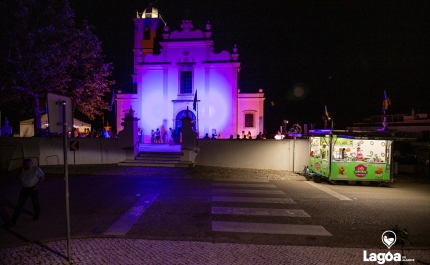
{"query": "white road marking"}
(127, 220)
(247, 191)
(241, 180)
(266, 228)
(243, 185)
(252, 199)
(329, 191)
(260, 211)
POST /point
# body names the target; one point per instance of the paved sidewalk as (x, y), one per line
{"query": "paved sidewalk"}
(141, 251)
(159, 148)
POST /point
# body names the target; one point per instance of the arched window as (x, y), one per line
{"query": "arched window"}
(147, 33)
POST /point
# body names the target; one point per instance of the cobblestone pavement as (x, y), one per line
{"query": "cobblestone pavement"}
(200, 172)
(140, 251)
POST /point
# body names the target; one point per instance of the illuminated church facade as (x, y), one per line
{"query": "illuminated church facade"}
(166, 83)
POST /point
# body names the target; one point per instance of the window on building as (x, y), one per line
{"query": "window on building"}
(147, 33)
(186, 82)
(249, 120)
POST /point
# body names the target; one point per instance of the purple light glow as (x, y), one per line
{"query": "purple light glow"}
(320, 131)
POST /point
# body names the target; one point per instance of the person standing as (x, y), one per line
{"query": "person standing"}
(324, 151)
(152, 136)
(163, 134)
(139, 136)
(171, 136)
(157, 136)
(359, 154)
(31, 178)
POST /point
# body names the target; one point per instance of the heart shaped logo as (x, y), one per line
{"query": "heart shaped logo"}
(389, 238)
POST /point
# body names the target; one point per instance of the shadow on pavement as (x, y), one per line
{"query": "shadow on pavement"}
(24, 239)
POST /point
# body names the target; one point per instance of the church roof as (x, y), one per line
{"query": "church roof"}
(149, 12)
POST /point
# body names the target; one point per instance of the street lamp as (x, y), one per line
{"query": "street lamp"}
(46, 128)
(285, 126)
(330, 119)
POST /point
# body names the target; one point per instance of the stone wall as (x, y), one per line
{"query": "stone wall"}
(49, 151)
(258, 154)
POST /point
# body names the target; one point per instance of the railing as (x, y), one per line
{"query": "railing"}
(58, 161)
(7, 161)
(389, 118)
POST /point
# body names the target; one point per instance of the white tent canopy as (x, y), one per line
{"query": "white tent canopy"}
(26, 128)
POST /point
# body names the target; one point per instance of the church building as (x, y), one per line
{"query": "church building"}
(187, 76)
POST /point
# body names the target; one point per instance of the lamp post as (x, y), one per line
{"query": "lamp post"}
(330, 119)
(285, 126)
(47, 128)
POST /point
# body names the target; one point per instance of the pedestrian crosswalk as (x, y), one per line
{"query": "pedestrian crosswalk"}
(252, 199)
(235, 191)
(259, 211)
(128, 219)
(237, 198)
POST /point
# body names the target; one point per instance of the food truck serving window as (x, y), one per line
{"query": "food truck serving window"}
(348, 150)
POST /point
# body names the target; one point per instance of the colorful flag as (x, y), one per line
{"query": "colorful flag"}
(386, 102)
(112, 102)
(195, 101)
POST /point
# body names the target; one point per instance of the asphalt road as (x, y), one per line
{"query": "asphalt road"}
(187, 209)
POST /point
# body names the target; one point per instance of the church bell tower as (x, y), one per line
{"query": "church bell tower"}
(145, 30)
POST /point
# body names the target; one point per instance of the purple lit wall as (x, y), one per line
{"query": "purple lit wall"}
(214, 76)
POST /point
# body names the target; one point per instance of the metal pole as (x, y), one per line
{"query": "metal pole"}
(66, 180)
(294, 150)
(197, 121)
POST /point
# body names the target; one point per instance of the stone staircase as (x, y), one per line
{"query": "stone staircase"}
(157, 159)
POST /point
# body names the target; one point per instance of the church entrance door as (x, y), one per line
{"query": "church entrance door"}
(178, 123)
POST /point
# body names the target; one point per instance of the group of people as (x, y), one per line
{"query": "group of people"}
(162, 136)
(156, 136)
(238, 137)
(324, 152)
(214, 136)
(102, 133)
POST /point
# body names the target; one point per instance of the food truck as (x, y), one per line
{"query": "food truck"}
(351, 156)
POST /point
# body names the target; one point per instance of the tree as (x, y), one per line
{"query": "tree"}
(42, 51)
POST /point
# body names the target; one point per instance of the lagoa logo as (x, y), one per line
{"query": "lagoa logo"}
(389, 239)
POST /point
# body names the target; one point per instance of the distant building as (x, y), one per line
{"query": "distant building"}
(413, 125)
(165, 84)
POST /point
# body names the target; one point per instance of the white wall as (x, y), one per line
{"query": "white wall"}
(49, 151)
(258, 154)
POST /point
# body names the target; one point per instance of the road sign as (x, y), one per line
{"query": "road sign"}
(55, 113)
(74, 145)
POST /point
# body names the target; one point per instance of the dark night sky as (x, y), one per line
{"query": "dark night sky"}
(343, 53)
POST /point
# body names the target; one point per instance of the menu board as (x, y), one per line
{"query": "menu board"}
(344, 142)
